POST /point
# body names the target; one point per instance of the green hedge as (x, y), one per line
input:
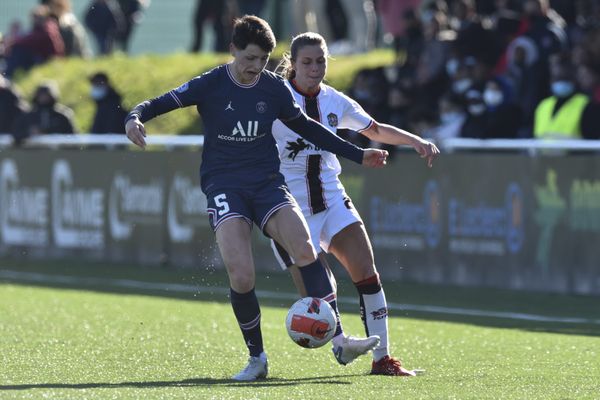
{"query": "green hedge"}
(143, 77)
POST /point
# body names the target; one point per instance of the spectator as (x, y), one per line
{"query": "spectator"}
(507, 25)
(400, 100)
(110, 114)
(522, 75)
(251, 7)
(472, 37)
(476, 122)
(15, 31)
(463, 15)
(370, 90)
(72, 32)
(338, 21)
(106, 22)
(546, 31)
(422, 120)
(560, 115)
(12, 105)
(214, 10)
(38, 46)
(397, 18)
(503, 116)
(589, 81)
(460, 73)
(47, 116)
(132, 11)
(361, 27)
(452, 118)
(431, 77)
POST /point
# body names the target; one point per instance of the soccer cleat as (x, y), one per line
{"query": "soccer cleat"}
(390, 366)
(257, 368)
(351, 348)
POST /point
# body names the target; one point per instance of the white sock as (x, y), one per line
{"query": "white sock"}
(337, 340)
(376, 320)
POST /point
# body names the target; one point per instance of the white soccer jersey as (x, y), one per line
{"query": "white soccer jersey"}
(312, 173)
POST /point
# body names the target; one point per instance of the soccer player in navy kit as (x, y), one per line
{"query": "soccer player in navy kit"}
(240, 170)
(312, 176)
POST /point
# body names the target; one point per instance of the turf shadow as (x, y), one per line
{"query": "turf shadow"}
(226, 382)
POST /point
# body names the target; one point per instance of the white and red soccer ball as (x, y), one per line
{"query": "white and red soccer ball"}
(311, 322)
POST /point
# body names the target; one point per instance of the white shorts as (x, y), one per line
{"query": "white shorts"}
(323, 227)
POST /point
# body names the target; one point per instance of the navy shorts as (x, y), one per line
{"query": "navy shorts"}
(254, 205)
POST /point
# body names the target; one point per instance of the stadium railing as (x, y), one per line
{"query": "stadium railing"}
(108, 140)
(178, 141)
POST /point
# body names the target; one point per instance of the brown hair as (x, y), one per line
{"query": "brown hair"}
(298, 42)
(58, 8)
(251, 29)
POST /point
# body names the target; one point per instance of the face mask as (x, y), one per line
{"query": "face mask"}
(461, 85)
(476, 109)
(493, 97)
(450, 117)
(562, 88)
(98, 92)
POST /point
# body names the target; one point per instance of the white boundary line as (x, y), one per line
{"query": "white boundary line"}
(34, 277)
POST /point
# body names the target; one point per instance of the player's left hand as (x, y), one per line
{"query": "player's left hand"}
(375, 158)
(426, 150)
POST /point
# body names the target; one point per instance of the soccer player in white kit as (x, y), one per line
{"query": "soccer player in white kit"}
(312, 177)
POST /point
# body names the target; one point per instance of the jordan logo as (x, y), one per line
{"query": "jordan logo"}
(229, 107)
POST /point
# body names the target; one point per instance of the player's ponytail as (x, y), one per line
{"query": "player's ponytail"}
(284, 67)
(304, 39)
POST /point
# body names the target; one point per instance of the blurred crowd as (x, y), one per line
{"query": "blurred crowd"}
(490, 69)
(464, 68)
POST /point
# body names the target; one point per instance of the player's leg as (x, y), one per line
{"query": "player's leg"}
(232, 230)
(288, 228)
(286, 262)
(345, 348)
(351, 246)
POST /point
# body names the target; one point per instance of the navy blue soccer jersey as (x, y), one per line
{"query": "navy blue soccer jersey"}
(239, 148)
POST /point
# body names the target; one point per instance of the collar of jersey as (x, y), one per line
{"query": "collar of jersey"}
(243, 85)
(297, 89)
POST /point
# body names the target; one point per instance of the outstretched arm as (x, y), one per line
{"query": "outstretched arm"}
(322, 137)
(388, 134)
(145, 111)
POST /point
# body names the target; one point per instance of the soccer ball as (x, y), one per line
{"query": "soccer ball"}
(311, 322)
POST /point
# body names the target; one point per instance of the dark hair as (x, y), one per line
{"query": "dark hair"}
(298, 42)
(252, 30)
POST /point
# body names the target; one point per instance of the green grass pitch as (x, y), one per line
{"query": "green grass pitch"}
(69, 343)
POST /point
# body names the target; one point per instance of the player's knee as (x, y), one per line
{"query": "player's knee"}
(303, 253)
(241, 280)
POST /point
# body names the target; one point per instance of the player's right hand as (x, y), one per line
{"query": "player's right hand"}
(375, 158)
(136, 132)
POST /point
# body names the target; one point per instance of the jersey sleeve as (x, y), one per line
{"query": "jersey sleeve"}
(190, 93)
(289, 109)
(354, 116)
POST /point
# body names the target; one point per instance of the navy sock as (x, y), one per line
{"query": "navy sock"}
(317, 283)
(247, 311)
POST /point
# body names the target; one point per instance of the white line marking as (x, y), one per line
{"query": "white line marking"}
(187, 288)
